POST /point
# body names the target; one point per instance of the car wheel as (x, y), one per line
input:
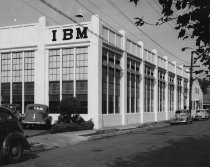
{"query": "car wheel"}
(15, 152)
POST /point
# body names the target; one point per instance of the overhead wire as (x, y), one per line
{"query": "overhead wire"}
(124, 15)
(40, 12)
(73, 20)
(190, 42)
(134, 35)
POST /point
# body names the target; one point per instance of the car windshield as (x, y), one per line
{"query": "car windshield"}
(181, 111)
(199, 111)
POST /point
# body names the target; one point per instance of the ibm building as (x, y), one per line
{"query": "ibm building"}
(117, 81)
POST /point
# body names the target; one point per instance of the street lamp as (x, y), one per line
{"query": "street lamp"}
(80, 14)
(191, 79)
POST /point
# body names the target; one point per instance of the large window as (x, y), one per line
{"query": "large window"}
(12, 64)
(133, 81)
(171, 92)
(68, 73)
(82, 78)
(149, 89)
(5, 77)
(29, 77)
(74, 67)
(17, 78)
(111, 72)
(54, 80)
(179, 91)
(161, 91)
(185, 93)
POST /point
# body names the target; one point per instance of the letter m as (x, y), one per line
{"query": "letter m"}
(82, 34)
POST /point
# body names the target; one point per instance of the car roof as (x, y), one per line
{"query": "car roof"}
(6, 110)
(183, 110)
(45, 107)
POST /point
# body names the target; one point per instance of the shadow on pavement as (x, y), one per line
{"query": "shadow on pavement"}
(193, 152)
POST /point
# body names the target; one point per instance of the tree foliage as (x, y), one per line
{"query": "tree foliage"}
(192, 21)
(204, 84)
(69, 108)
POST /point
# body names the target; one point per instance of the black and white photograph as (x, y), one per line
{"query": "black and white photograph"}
(104, 83)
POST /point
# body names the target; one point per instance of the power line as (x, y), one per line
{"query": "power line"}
(190, 42)
(61, 23)
(40, 11)
(124, 15)
(73, 20)
(95, 14)
(68, 17)
(134, 35)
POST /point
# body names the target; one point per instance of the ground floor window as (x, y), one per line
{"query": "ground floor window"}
(29, 93)
(82, 95)
(111, 75)
(149, 89)
(54, 96)
(5, 93)
(171, 97)
(17, 93)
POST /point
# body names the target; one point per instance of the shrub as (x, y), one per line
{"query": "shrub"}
(65, 127)
(68, 108)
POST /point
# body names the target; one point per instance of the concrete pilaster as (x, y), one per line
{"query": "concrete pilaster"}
(175, 85)
(155, 85)
(182, 91)
(23, 79)
(142, 83)
(95, 73)
(124, 79)
(39, 65)
(166, 88)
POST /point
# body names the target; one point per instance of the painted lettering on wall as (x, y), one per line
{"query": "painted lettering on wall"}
(67, 34)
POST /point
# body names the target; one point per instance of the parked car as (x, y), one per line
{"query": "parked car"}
(16, 109)
(36, 114)
(12, 139)
(201, 114)
(181, 116)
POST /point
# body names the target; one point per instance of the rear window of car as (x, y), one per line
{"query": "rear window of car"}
(198, 111)
(181, 111)
(37, 108)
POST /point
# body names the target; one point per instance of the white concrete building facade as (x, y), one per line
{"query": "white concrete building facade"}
(117, 81)
(197, 96)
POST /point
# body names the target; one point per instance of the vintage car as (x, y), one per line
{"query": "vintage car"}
(181, 116)
(36, 114)
(12, 139)
(16, 109)
(201, 114)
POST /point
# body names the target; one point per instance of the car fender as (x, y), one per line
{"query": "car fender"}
(12, 137)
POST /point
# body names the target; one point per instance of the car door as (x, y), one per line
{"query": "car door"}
(2, 127)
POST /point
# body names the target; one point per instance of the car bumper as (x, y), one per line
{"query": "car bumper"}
(198, 117)
(33, 123)
(177, 121)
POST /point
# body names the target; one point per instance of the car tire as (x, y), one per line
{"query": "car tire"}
(15, 152)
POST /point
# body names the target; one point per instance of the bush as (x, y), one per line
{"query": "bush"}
(65, 127)
(68, 109)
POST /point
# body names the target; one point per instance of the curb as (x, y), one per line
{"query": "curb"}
(105, 133)
(118, 131)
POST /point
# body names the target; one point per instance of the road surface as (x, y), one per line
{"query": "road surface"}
(173, 146)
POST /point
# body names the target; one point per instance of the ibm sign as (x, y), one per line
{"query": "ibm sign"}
(68, 34)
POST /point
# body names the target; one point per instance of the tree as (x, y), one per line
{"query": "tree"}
(204, 83)
(192, 21)
(69, 109)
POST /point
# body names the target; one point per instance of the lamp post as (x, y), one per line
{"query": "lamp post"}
(191, 80)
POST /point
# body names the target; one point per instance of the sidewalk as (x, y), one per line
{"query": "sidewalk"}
(57, 140)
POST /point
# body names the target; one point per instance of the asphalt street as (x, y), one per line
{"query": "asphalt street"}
(173, 146)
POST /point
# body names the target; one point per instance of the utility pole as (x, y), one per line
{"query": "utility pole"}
(191, 80)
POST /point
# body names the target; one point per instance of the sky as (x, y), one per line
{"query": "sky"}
(15, 12)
